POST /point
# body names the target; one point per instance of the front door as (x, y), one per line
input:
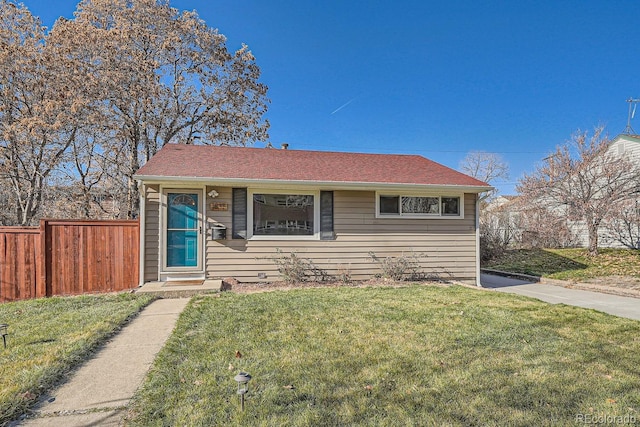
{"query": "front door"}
(183, 230)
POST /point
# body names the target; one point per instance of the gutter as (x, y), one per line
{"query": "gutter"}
(143, 234)
(478, 241)
(279, 183)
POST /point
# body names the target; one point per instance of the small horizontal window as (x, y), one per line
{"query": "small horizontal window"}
(419, 206)
(389, 205)
(451, 206)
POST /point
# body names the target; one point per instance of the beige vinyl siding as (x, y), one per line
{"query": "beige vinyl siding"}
(445, 247)
(151, 232)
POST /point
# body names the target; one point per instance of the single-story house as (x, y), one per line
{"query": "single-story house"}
(210, 212)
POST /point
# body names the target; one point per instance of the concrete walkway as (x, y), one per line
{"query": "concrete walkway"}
(98, 392)
(617, 305)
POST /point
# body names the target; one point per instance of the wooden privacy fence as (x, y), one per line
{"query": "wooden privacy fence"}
(68, 257)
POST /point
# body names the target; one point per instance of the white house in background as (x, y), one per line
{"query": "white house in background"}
(626, 146)
(502, 216)
(504, 212)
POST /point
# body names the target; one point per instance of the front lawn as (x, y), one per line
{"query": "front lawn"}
(569, 264)
(50, 336)
(418, 355)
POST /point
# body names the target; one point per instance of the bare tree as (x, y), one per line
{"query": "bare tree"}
(486, 167)
(88, 171)
(82, 107)
(39, 115)
(540, 227)
(623, 225)
(582, 181)
(162, 76)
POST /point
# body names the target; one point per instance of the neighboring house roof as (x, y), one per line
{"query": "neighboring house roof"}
(501, 203)
(240, 164)
(502, 199)
(627, 137)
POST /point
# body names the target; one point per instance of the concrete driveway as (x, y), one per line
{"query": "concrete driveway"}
(618, 306)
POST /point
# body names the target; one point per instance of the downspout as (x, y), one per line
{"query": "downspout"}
(478, 241)
(143, 234)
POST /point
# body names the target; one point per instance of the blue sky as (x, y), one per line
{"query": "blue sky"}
(437, 79)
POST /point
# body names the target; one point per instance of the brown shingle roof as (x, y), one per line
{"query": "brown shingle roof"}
(241, 163)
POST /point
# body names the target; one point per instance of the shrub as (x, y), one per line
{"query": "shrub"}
(492, 245)
(294, 269)
(344, 274)
(404, 267)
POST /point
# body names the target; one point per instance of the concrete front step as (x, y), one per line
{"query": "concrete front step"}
(180, 289)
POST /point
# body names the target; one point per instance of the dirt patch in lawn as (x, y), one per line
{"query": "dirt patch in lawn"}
(616, 285)
(246, 288)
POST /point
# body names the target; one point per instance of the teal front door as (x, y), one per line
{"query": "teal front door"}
(183, 229)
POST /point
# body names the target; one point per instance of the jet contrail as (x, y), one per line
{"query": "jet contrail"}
(342, 106)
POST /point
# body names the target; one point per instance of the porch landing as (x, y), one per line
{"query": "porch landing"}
(177, 289)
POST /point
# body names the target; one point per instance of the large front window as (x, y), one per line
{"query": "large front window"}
(283, 214)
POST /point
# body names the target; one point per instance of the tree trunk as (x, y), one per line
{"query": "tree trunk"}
(592, 227)
(133, 198)
(86, 201)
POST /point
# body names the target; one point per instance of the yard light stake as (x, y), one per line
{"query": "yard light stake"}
(4, 333)
(243, 386)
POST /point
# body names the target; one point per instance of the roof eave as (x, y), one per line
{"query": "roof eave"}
(338, 185)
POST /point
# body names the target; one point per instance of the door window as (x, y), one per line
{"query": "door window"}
(182, 230)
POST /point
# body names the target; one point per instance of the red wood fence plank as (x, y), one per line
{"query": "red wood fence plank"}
(67, 257)
(18, 268)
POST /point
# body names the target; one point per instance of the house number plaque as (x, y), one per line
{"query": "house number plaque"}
(219, 206)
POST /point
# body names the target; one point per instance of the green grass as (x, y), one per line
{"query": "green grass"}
(420, 355)
(569, 264)
(50, 336)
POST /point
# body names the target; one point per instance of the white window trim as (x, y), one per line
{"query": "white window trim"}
(164, 191)
(316, 213)
(439, 215)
